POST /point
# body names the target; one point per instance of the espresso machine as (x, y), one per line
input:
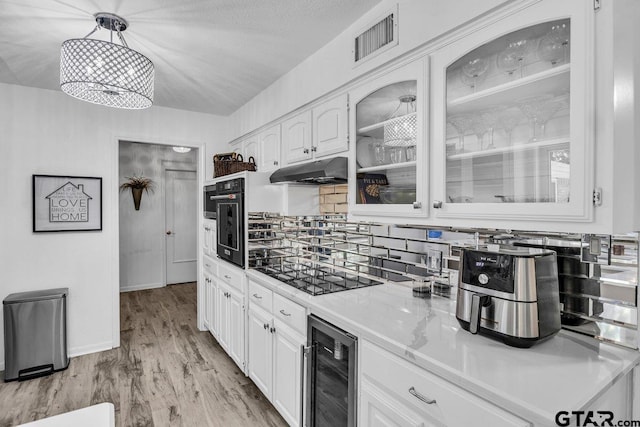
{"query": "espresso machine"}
(509, 293)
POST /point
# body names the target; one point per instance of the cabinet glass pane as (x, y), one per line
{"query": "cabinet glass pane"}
(507, 134)
(386, 123)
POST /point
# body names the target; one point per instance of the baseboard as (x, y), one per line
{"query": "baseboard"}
(80, 351)
(92, 348)
(141, 287)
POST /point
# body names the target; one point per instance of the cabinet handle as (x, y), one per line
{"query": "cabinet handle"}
(226, 276)
(284, 313)
(305, 151)
(266, 326)
(208, 265)
(419, 396)
(272, 330)
(417, 205)
(257, 296)
(275, 163)
(437, 204)
(314, 149)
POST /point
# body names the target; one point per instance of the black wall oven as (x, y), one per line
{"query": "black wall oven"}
(229, 201)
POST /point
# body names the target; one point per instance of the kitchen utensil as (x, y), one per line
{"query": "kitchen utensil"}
(508, 293)
(364, 155)
(392, 194)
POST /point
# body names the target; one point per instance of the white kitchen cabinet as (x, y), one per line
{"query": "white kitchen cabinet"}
(296, 138)
(260, 351)
(269, 156)
(275, 350)
(404, 395)
(209, 237)
(316, 133)
(388, 162)
(251, 148)
(287, 372)
(330, 127)
(231, 331)
(513, 118)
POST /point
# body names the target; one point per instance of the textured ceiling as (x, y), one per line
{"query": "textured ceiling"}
(210, 55)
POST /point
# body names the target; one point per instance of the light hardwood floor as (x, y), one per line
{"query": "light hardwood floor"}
(165, 373)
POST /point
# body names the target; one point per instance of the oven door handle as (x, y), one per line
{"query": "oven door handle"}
(224, 197)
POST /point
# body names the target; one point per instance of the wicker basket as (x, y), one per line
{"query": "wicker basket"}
(228, 163)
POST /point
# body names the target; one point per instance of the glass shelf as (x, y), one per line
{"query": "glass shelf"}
(510, 149)
(390, 166)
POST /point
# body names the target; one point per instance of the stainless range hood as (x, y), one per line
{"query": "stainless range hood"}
(327, 171)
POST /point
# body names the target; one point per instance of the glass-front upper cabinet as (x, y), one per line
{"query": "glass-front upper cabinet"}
(512, 117)
(388, 160)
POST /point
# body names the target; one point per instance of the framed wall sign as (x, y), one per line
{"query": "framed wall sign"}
(67, 203)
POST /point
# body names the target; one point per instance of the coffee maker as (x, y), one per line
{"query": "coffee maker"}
(509, 293)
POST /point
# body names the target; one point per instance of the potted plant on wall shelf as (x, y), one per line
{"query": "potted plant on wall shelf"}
(137, 183)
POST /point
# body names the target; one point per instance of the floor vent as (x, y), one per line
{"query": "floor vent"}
(376, 38)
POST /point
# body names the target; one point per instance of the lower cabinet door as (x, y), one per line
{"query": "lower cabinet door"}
(214, 312)
(236, 328)
(260, 351)
(207, 301)
(223, 317)
(378, 409)
(287, 374)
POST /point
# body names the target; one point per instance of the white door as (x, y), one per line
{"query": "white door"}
(330, 127)
(181, 225)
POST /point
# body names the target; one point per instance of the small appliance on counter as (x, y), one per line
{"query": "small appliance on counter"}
(510, 293)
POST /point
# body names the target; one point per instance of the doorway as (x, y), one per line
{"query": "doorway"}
(181, 225)
(149, 257)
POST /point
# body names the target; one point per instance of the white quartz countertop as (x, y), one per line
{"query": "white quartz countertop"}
(566, 372)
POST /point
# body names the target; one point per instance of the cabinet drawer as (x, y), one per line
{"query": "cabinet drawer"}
(260, 296)
(430, 395)
(231, 275)
(210, 265)
(290, 313)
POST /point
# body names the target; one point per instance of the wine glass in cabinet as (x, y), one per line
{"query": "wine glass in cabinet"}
(388, 161)
(527, 152)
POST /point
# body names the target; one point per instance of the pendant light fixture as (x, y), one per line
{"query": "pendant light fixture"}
(400, 130)
(106, 73)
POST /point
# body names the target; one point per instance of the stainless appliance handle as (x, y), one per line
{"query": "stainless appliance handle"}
(477, 302)
(416, 394)
(304, 352)
(223, 197)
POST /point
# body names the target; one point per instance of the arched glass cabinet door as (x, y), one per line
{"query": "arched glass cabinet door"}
(388, 128)
(514, 118)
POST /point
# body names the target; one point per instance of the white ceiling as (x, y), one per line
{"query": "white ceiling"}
(210, 55)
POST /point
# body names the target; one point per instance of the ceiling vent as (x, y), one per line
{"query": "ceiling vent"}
(376, 37)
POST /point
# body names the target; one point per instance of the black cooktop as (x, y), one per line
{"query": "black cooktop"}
(315, 279)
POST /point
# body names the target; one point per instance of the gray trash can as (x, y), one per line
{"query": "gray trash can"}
(35, 333)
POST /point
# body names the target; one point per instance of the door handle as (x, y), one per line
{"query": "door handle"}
(169, 233)
(419, 396)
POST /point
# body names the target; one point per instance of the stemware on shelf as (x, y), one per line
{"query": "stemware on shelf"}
(479, 128)
(551, 49)
(512, 58)
(410, 153)
(561, 33)
(473, 70)
(462, 124)
(508, 119)
(490, 120)
(539, 109)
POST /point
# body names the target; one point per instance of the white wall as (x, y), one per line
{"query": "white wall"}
(142, 232)
(331, 67)
(48, 132)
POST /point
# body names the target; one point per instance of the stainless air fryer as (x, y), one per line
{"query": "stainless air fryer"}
(510, 293)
